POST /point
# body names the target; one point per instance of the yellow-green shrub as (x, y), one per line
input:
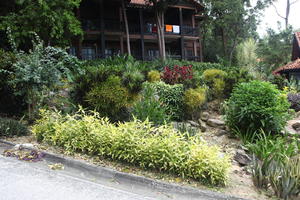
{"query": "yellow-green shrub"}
(153, 76)
(194, 99)
(140, 143)
(214, 78)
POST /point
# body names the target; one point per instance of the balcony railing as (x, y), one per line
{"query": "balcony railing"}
(149, 29)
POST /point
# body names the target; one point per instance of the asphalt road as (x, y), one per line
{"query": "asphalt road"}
(20, 180)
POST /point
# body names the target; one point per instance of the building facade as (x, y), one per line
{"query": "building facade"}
(105, 35)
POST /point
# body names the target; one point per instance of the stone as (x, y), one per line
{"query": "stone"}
(222, 132)
(204, 116)
(216, 123)
(194, 124)
(203, 126)
(24, 146)
(296, 126)
(242, 158)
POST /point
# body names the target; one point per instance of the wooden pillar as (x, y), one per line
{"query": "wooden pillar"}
(121, 28)
(182, 37)
(142, 33)
(102, 29)
(78, 39)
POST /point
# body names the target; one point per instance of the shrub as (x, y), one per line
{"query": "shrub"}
(10, 127)
(177, 74)
(214, 78)
(171, 98)
(109, 97)
(161, 148)
(256, 106)
(234, 77)
(153, 76)
(133, 80)
(194, 99)
(149, 107)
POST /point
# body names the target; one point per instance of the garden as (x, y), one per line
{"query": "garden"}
(195, 123)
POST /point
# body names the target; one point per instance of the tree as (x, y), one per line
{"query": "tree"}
(275, 48)
(126, 28)
(53, 20)
(159, 7)
(227, 23)
(289, 4)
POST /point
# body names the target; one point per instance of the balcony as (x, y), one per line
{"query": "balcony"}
(149, 29)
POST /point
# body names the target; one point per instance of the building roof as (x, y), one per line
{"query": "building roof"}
(289, 67)
(144, 3)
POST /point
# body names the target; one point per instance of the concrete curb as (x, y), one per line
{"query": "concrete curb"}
(104, 172)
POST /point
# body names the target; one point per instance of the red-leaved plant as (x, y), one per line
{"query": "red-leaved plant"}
(177, 74)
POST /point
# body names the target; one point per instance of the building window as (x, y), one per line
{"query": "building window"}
(72, 51)
(88, 53)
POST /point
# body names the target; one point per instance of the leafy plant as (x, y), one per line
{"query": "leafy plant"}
(161, 148)
(171, 98)
(257, 105)
(153, 76)
(109, 97)
(214, 78)
(177, 74)
(10, 127)
(194, 99)
(133, 79)
(149, 107)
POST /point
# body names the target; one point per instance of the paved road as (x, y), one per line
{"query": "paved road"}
(28, 181)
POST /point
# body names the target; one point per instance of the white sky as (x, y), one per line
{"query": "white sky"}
(270, 17)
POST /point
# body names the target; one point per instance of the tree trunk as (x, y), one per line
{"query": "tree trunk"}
(287, 14)
(161, 34)
(126, 28)
(224, 43)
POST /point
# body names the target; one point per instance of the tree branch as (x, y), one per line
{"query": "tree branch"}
(278, 12)
(294, 2)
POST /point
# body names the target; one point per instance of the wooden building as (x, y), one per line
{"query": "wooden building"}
(103, 25)
(292, 69)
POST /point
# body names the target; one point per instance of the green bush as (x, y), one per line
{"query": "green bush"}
(161, 148)
(133, 80)
(10, 104)
(109, 98)
(194, 99)
(10, 127)
(171, 98)
(214, 79)
(149, 107)
(256, 106)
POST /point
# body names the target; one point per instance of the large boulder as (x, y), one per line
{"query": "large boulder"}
(242, 158)
(204, 116)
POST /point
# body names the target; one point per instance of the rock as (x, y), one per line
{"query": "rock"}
(216, 123)
(204, 116)
(222, 132)
(242, 158)
(23, 146)
(203, 126)
(195, 124)
(296, 126)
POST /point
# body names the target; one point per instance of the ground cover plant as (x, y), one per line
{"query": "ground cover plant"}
(11, 127)
(161, 148)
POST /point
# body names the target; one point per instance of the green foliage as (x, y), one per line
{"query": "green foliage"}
(161, 148)
(108, 97)
(54, 21)
(194, 99)
(234, 77)
(257, 105)
(275, 49)
(10, 127)
(40, 70)
(10, 104)
(153, 76)
(149, 107)
(133, 79)
(214, 78)
(171, 98)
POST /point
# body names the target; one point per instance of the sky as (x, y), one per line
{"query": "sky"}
(270, 18)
